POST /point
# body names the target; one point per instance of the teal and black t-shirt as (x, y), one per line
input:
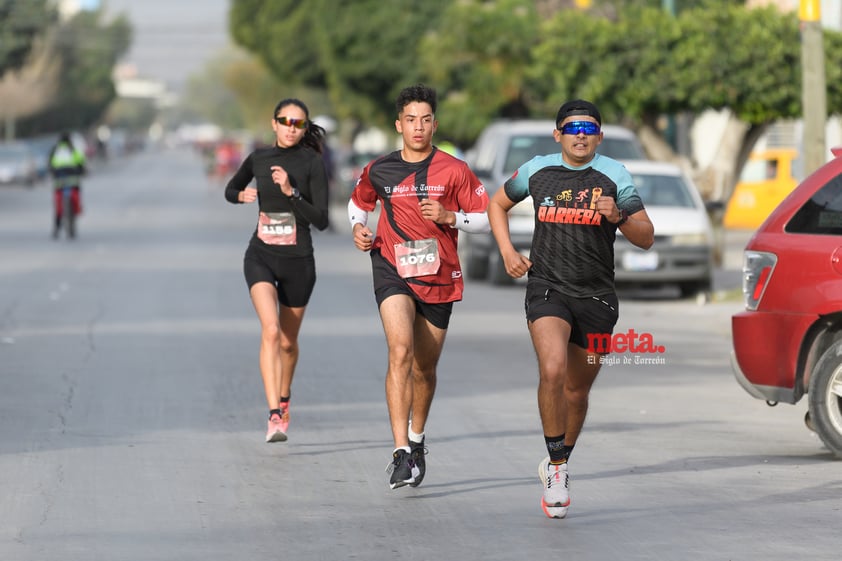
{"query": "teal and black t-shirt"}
(573, 245)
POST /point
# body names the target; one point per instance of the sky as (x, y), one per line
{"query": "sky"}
(173, 38)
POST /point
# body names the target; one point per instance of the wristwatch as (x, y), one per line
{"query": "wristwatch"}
(624, 215)
(295, 194)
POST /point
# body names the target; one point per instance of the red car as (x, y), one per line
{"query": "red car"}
(788, 341)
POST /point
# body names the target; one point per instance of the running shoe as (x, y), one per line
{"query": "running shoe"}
(284, 407)
(274, 432)
(402, 468)
(556, 496)
(417, 452)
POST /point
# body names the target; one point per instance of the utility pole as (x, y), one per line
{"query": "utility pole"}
(813, 85)
(677, 132)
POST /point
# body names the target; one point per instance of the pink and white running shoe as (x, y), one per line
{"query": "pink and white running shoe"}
(275, 432)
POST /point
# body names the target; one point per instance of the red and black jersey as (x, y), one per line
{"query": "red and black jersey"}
(400, 186)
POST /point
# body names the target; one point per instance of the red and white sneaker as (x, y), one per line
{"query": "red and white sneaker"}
(556, 496)
(275, 432)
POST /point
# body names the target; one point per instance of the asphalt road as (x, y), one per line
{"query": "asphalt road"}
(132, 415)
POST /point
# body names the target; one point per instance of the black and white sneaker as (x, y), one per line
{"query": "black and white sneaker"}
(417, 452)
(402, 468)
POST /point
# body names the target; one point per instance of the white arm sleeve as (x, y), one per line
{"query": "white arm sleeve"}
(472, 222)
(356, 215)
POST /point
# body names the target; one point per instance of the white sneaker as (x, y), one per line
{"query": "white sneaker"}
(556, 496)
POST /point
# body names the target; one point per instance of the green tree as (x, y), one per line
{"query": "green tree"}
(88, 48)
(208, 98)
(491, 58)
(27, 71)
(646, 63)
(361, 53)
(237, 92)
(476, 58)
(833, 71)
(29, 89)
(21, 23)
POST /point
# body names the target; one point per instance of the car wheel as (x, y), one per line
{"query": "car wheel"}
(499, 276)
(699, 291)
(825, 398)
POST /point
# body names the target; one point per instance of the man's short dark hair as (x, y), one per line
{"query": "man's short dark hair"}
(578, 107)
(418, 92)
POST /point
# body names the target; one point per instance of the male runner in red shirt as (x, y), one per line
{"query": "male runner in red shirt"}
(426, 196)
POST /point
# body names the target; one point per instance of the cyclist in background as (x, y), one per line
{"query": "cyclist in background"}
(67, 166)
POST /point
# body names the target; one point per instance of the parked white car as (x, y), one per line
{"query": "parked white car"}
(17, 165)
(683, 251)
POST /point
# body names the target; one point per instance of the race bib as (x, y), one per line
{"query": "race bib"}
(276, 228)
(416, 258)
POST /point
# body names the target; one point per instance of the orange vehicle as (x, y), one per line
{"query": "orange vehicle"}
(765, 181)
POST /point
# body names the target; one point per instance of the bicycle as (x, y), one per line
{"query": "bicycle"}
(67, 208)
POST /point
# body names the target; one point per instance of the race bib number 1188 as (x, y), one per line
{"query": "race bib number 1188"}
(276, 228)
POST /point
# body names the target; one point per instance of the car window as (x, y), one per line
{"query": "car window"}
(754, 171)
(822, 214)
(525, 147)
(663, 190)
(620, 149)
(12, 153)
(486, 152)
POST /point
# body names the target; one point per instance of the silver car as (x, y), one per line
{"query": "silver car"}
(17, 164)
(683, 251)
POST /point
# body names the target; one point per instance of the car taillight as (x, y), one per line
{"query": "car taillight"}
(757, 270)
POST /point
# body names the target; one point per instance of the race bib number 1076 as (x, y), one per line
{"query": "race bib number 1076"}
(416, 258)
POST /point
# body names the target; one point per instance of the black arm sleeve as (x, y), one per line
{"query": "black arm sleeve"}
(314, 209)
(239, 181)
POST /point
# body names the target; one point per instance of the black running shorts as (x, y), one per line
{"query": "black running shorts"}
(387, 282)
(595, 315)
(293, 277)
